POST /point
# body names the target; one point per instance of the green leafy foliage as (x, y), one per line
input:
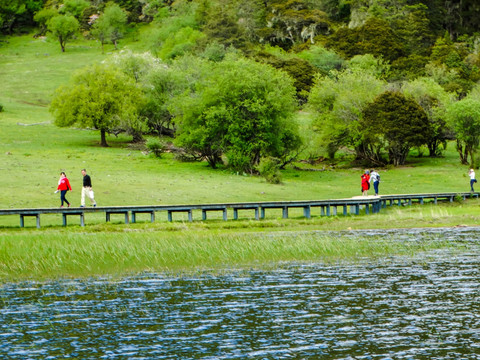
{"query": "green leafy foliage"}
(321, 58)
(156, 147)
(220, 26)
(464, 117)
(180, 43)
(338, 103)
(240, 109)
(375, 37)
(158, 83)
(434, 100)
(42, 17)
(99, 97)
(110, 25)
(63, 27)
(393, 123)
(269, 168)
(9, 11)
(339, 53)
(299, 69)
(177, 30)
(74, 7)
(291, 22)
(15, 14)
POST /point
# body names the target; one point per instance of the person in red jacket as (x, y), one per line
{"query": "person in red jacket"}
(365, 182)
(63, 187)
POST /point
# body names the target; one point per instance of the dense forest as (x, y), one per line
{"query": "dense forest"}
(223, 77)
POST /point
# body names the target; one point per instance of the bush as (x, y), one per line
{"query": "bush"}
(1, 108)
(269, 168)
(156, 147)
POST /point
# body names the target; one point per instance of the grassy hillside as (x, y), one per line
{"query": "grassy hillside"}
(32, 156)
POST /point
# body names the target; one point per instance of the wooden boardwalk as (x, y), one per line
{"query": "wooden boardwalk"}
(370, 204)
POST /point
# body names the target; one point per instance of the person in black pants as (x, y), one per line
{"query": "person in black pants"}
(63, 187)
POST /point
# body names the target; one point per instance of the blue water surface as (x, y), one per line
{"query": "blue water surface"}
(421, 307)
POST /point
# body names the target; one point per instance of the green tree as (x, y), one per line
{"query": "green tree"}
(299, 69)
(324, 60)
(10, 10)
(223, 28)
(338, 103)
(413, 27)
(158, 82)
(396, 124)
(375, 37)
(292, 22)
(369, 64)
(63, 27)
(99, 97)
(42, 17)
(239, 108)
(110, 25)
(408, 19)
(101, 31)
(180, 43)
(177, 30)
(17, 14)
(434, 100)
(74, 7)
(251, 17)
(133, 8)
(464, 117)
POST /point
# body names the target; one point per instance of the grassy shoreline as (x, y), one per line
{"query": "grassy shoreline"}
(118, 249)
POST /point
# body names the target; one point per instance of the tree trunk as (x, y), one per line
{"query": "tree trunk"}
(432, 148)
(462, 152)
(62, 43)
(212, 161)
(104, 138)
(137, 137)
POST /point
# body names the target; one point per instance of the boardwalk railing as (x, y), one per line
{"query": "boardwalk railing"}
(371, 204)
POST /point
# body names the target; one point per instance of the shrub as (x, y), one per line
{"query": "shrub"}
(1, 108)
(156, 147)
(269, 168)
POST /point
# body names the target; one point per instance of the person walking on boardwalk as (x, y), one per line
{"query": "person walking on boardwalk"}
(471, 173)
(375, 179)
(365, 182)
(87, 189)
(63, 187)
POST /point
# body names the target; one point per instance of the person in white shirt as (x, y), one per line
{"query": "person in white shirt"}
(375, 179)
(471, 173)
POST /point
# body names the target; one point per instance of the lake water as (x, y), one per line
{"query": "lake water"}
(426, 307)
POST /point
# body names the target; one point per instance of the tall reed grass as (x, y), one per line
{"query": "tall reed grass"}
(56, 255)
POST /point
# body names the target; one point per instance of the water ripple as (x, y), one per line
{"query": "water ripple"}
(398, 308)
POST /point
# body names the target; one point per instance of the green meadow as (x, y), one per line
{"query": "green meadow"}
(33, 151)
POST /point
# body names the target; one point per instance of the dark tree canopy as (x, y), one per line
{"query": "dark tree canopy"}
(376, 37)
(396, 124)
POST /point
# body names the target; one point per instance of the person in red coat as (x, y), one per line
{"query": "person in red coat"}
(365, 182)
(63, 187)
